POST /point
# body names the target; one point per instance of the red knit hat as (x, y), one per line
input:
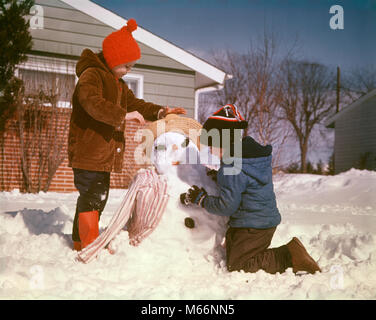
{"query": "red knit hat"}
(120, 47)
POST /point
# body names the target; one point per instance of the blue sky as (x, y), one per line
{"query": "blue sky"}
(201, 26)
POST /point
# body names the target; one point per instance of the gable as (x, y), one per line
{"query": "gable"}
(208, 74)
(71, 26)
(67, 31)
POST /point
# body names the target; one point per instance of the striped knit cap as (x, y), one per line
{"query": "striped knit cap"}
(227, 117)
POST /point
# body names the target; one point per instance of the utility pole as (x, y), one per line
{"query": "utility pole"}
(338, 88)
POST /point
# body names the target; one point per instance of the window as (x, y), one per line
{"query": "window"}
(135, 82)
(50, 83)
(54, 77)
(57, 77)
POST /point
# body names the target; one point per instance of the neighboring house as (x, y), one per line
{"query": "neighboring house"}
(355, 134)
(165, 74)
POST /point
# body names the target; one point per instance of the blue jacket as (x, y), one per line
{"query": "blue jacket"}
(247, 197)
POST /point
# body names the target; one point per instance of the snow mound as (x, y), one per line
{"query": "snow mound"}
(334, 216)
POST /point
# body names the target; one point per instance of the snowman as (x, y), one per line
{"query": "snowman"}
(177, 156)
(176, 159)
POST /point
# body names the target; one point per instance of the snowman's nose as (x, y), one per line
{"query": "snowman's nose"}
(174, 147)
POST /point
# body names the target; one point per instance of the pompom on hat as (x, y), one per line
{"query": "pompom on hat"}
(120, 47)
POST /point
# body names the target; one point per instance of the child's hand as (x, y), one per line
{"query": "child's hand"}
(135, 115)
(212, 174)
(194, 195)
(178, 110)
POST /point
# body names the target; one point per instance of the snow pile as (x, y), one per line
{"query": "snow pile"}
(329, 199)
(334, 216)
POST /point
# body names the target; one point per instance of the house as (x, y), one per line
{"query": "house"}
(165, 74)
(355, 134)
(61, 29)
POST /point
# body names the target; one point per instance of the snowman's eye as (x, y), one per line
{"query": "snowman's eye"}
(185, 143)
(160, 147)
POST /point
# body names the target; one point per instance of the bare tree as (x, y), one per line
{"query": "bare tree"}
(307, 98)
(358, 81)
(42, 126)
(254, 90)
(261, 92)
(235, 89)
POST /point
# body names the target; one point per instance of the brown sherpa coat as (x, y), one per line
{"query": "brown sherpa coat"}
(100, 102)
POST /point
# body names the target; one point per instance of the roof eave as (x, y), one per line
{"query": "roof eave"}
(146, 37)
(330, 123)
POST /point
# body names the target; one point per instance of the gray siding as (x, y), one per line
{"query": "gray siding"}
(68, 31)
(355, 135)
(166, 88)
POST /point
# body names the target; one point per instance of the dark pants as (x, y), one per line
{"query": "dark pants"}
(93, 187)
(247, 249)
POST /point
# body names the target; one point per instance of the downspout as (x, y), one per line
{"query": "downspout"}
(203, 90)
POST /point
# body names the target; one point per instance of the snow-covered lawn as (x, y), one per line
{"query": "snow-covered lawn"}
(334, 216)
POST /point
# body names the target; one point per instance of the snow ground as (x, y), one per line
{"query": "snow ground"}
(334, 216)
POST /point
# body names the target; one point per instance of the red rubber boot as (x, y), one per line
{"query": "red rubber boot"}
(77, 245)
(88, 227)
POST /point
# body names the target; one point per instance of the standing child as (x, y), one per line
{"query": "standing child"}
(102, 103)
(248, 198)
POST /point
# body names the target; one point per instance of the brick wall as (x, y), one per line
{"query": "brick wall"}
(10, 160)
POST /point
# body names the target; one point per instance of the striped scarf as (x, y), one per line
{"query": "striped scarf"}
(141, 210)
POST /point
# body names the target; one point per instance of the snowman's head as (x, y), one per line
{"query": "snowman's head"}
(175, 141)
(171, 149)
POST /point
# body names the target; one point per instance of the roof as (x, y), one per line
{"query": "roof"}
(330, 122)
(215, 76)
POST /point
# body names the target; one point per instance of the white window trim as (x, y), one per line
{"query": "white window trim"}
(140, 80)
(55, 65)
